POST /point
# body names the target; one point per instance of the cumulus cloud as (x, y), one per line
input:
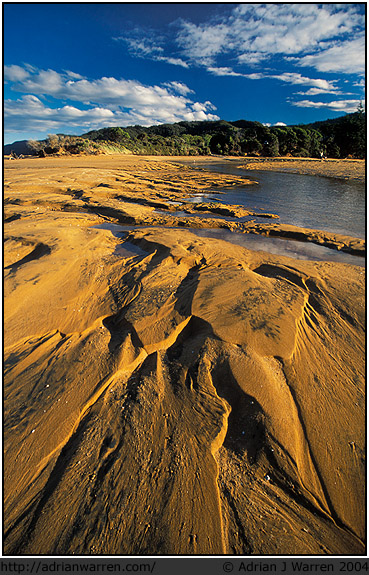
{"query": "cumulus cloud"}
(110, 102)
(42, 82)
(268, 125)
(105, 91)
(179, 87)
(30, 113)
(348, 106)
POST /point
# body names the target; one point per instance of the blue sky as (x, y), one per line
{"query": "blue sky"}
(74, 67)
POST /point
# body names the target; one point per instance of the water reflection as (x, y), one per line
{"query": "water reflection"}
(283, 247)
(307, 201)
(278, 246)
(204, 198)
(125, 249)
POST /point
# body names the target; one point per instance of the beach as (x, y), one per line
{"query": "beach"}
(347, 169)
(169, 394)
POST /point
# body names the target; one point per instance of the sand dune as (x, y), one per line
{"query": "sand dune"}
(169, 394)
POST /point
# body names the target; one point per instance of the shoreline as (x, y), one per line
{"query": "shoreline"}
(140, 202)
(350, 169)
(344, 169)
(156, 365)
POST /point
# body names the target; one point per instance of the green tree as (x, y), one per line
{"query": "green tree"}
(270, 145)
(251, 146)
(316, 146)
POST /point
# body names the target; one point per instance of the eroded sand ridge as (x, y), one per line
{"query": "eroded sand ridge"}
(166, 394)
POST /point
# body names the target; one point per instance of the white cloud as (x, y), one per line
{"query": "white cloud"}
(111, 102)
(326, 37)
(255, 76)
(42, 82)
(251, 58)
(29, 113)
(280, 124)
(297, 79)
(346, 57)
(104, 91)
(202, 42)
(174, 61)
(15, 73)
(360, 83)
(348, 106)
(319, 85)
(28, 103)
(222, 71)
(209, 105)
(319, 91)
(290, 28)
(255, 32)
(144, 43)
(73, 75)
(179, 87)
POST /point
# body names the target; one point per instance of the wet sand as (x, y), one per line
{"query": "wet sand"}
(169, 394)
(342, 169)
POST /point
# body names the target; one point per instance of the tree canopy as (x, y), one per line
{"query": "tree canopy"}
(339, 138)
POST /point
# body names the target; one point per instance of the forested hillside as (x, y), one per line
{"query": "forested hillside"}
(339, 138)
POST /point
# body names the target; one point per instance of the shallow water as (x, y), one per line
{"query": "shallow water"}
(125, 249)
(314, 202)
(207, 215)
(278, 246)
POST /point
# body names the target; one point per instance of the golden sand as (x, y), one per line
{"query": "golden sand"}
(169, 394)
(347, 169)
